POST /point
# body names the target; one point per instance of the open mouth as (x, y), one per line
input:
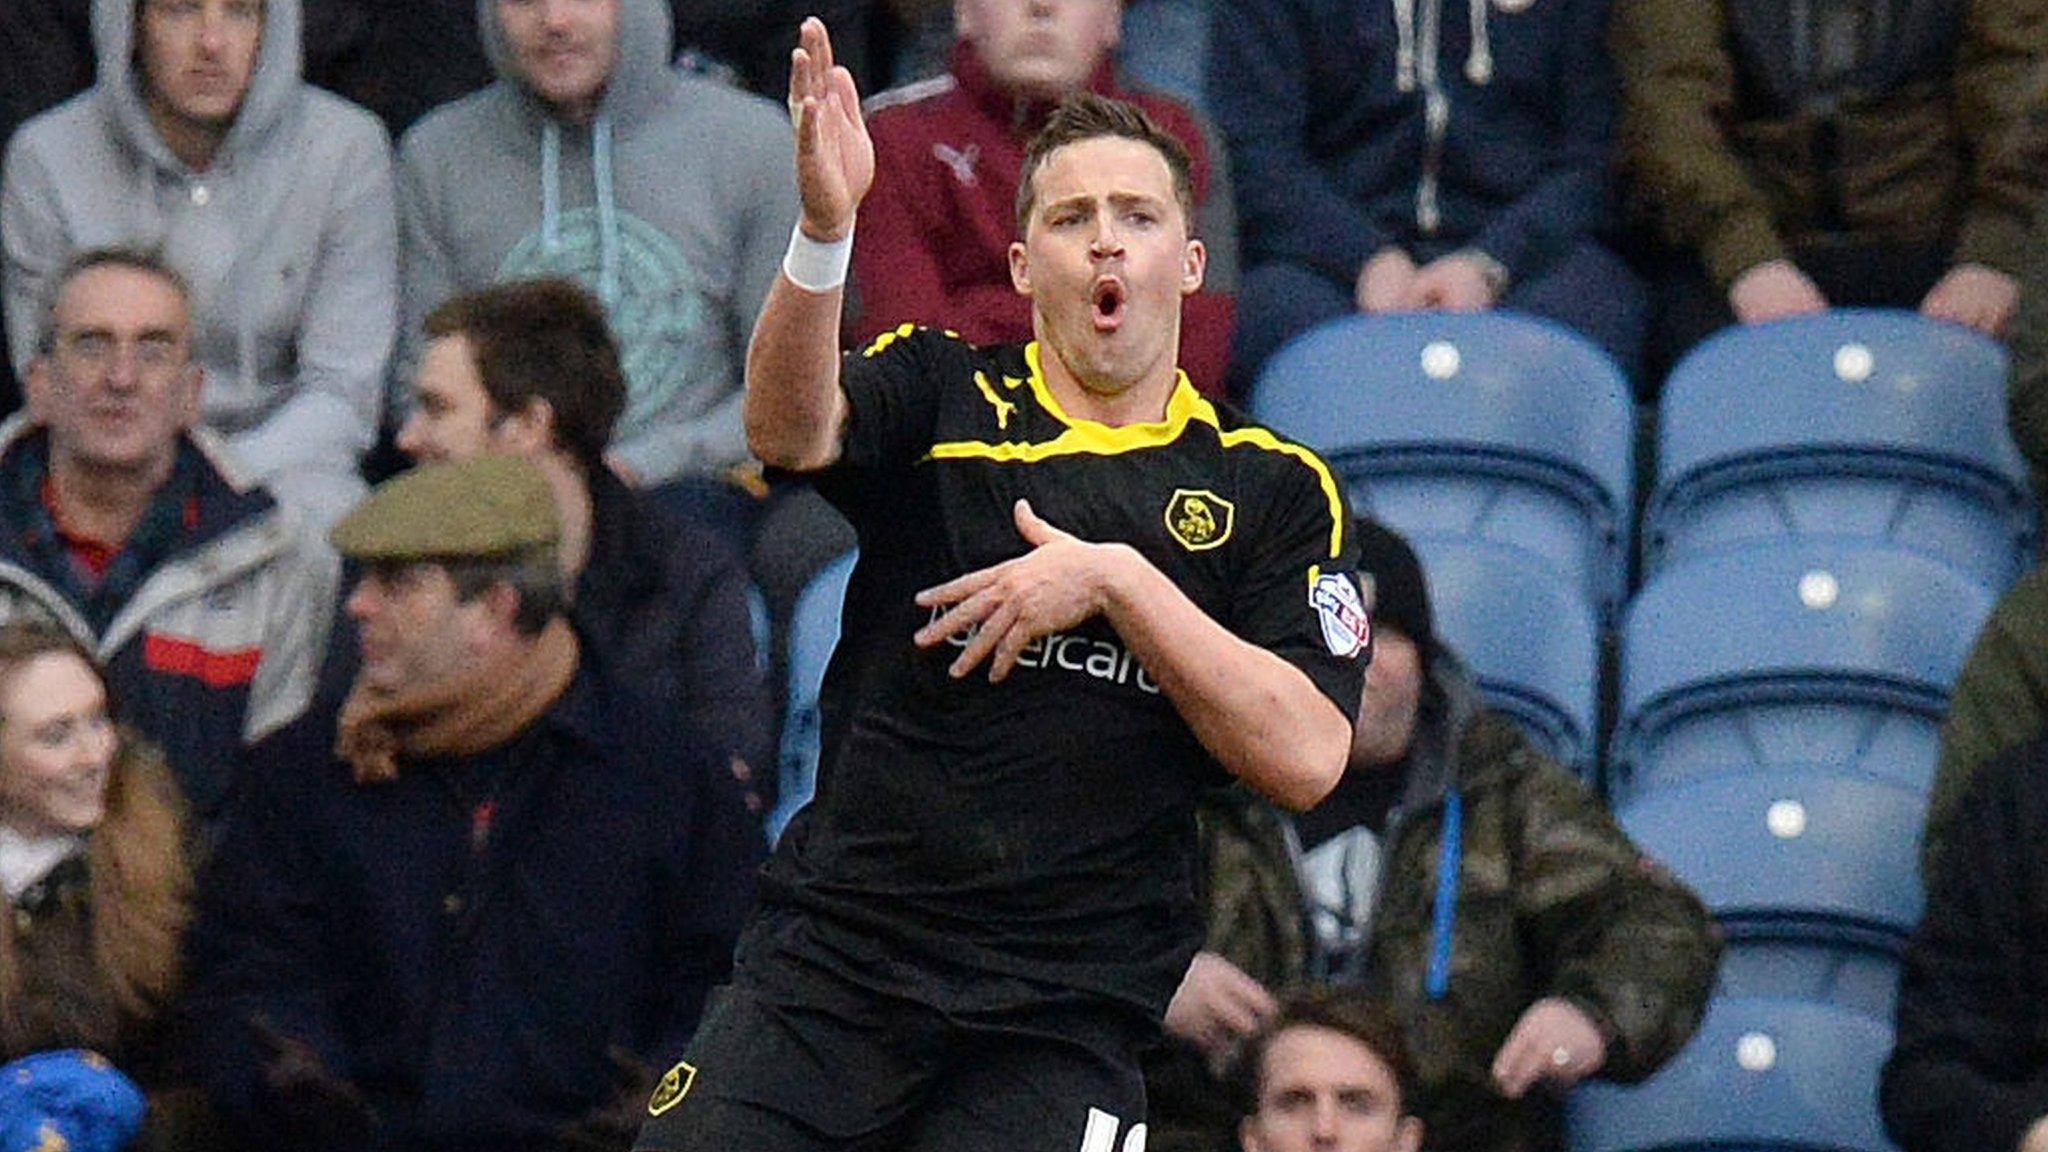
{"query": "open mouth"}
(1107, 302)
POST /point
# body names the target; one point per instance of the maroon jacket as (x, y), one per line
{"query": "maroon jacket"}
(935, 231)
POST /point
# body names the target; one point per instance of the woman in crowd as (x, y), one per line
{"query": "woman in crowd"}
(93, 864)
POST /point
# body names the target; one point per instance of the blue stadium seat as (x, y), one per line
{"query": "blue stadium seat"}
(1838, 653)
(1760, 1074)
(1527, 635)
(1807, 854)
(1491, 425)
(813, 633)
(1860, 978)
(1854, 422)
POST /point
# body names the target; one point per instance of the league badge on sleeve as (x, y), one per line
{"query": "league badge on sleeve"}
(1341, 611)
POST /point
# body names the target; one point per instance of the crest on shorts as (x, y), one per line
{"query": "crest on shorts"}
(1199, 518)
(672, 1089)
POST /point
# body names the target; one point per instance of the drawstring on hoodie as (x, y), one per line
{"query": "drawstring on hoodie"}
(1450, 861)
(607, 213)
(607, 203)
(1478, 60)
(551, 187)
(1404, 51)
(1415, 64)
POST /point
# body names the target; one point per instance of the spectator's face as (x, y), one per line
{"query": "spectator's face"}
(412, 628)
(1324, 1091)
(118, 385)
(1393, 693)
(564, 49)
(56, 747)
(1041, 48)
(198, 56)
(1106, 259)
(452, 416)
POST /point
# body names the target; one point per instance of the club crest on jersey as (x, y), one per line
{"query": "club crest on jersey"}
(1199, 518)
(1346, 628)
(672, 1089)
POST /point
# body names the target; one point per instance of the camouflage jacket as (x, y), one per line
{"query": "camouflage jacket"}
(1553, 900)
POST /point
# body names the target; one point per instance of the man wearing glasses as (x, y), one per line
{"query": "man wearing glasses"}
(123, 524)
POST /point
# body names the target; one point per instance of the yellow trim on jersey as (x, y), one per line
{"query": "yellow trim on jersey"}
(1092, 438)
(1261, 438)
(884, 339)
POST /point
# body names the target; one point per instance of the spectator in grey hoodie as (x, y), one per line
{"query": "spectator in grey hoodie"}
(668, 196)
(271, 198)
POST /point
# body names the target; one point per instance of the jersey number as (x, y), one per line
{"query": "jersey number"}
(1100, 1135)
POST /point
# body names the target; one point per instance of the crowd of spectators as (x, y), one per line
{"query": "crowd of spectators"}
(425, 815)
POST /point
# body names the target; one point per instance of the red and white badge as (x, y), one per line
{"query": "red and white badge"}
(1341, 612)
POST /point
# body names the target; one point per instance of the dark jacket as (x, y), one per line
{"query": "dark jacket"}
(1745, 152)
(1969, 1070)
(46, 57)
(663, 607)
(2026, 389)
(398, 58)
(2000, 700)
(466, 956)
(1334, 154)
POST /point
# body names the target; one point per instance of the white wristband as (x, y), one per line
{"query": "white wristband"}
(817, 265)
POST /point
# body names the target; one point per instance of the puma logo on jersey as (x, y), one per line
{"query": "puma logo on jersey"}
(1003, 407)
(961, 161)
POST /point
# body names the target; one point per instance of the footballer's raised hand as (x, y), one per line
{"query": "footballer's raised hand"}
(835, 160)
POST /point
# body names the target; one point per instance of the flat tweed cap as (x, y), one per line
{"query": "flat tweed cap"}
(486, 507)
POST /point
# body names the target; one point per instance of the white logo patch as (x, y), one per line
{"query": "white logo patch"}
(1346, 629)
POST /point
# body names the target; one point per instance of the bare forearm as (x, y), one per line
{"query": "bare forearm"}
(1260, 716)
(794, 407)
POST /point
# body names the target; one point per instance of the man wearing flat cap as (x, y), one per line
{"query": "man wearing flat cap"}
(478, 906)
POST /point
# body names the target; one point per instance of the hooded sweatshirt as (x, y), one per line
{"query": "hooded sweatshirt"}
(1422, 124)
(287, 241)
(674, 204)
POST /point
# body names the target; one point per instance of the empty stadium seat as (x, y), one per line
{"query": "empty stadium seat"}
(1853, 422)
(1860, 978)
(1805, 854)
(1761, 1074)
(1489, 425)
(1527, 635)
(813, 633)
(1836, 653)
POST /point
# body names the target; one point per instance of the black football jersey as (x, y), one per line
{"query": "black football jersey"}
(1043, 827)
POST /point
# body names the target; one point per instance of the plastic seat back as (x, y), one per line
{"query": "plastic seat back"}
(813, 634)
(1529, 638)
(1809, 854)
(1760, 1073)
(1833, 652)
(1491, 425)
(1870, 423)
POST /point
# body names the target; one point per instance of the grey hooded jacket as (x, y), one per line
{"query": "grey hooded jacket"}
(674, 205)
(287, 239)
